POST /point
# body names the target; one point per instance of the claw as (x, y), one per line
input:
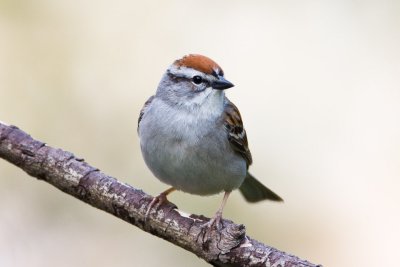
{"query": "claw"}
(215, 221)
(208, 227)
(157, 201)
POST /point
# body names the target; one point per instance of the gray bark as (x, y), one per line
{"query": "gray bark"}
(72, 175)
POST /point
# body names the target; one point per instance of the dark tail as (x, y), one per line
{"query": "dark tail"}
(254, 191)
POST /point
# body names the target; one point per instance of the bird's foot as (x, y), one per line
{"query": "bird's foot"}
(215, 223)
(156, 202)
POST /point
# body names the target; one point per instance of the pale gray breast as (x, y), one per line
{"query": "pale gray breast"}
(190, 152)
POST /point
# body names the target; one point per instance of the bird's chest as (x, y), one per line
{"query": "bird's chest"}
(183, 139)
(188, 137)
(191, 153)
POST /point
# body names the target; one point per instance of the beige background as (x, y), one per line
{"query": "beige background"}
(317, 83)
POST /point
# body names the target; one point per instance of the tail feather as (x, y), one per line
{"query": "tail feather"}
(254, 191)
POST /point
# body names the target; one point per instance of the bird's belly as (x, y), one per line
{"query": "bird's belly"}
(203, 166)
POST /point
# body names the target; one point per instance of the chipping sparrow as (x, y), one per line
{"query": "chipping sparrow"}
(192, 136)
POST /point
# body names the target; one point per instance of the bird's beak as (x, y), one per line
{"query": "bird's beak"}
(221, 84)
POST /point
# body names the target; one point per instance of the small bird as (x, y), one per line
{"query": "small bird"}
(192, 137)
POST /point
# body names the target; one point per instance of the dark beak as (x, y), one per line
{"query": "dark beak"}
(221, 84)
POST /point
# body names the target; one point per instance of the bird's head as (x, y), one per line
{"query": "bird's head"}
(193, 79)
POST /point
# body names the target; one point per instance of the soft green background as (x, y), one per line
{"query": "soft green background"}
(318, 86)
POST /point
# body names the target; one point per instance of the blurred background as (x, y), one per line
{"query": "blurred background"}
(317, 83)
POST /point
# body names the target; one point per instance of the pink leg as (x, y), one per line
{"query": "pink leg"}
(216, 220)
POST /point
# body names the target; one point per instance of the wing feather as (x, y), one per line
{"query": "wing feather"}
(143, 110)
(236, 133)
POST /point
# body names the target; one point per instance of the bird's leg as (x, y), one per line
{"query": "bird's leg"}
(158, 200)
(216, 220)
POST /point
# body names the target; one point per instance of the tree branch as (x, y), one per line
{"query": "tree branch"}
(72, 175)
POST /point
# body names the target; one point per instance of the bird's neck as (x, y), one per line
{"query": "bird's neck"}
(208, 104)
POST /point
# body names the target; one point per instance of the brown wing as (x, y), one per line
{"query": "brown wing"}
(143, 110)
(236, 133)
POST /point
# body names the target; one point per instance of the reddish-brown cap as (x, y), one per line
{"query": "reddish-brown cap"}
(200, 63)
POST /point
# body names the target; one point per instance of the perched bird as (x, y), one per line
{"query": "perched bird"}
(192, 137)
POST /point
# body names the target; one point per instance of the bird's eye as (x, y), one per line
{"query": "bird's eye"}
(197, 79)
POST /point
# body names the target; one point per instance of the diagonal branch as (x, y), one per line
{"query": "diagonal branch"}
(72, 175)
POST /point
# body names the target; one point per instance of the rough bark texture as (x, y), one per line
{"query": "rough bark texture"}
(72, 175)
